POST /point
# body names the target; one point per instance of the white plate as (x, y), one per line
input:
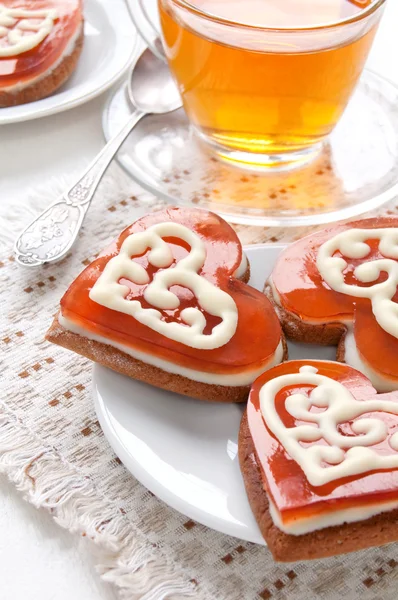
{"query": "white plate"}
(183, 450)
(110, 40)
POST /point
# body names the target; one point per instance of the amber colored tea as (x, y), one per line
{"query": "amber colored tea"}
(275, 92)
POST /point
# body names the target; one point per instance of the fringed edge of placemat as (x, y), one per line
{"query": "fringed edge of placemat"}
(49, 482)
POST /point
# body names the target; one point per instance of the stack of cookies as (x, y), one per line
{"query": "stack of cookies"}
(168, 303)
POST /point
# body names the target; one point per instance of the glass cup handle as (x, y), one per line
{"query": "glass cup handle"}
(145, 27)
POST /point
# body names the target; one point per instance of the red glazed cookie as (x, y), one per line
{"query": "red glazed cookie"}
(339, 286)
(318, 451)
(40, 43)
(164, 304)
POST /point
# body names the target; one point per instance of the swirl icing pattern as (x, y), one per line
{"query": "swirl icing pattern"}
(326, 444)
(108, 292)
(23, 30)
(345, 278)
(344, 455)
(167, 288)
(352, 244)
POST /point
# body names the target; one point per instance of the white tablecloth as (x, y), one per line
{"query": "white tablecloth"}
(38, 559)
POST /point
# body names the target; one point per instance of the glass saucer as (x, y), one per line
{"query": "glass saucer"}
(356, 171)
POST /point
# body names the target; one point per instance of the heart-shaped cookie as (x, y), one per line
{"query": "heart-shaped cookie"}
(340, 286)
(318, 450)
(167, 294)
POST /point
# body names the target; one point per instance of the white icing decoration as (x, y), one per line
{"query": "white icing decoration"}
(70, 47)
(352, 244)
(308, 369)
(108, 292)
(212, 378)
(15, 21)
(345, 455)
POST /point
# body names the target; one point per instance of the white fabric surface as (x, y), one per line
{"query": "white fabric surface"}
(146, 549)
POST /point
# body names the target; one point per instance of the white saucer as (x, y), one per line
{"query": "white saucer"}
(183, 450)
(356, 171)
(110, 40)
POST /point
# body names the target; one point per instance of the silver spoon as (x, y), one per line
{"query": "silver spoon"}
(51, 235)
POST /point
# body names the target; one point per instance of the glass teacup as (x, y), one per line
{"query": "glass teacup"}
(264, 82)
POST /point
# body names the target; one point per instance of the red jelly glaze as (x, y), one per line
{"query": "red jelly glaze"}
(33, 63)
(258, 332)
(303, 292)
(284, 480)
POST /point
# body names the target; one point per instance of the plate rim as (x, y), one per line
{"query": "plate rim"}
(30, 114)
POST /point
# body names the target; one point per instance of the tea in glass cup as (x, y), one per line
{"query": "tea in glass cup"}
(264, 82)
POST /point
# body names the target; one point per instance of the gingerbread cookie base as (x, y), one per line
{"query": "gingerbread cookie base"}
(47, 84)
(125, 364)
(377, 531)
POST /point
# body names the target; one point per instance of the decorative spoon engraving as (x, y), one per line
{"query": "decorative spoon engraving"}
(51, 235)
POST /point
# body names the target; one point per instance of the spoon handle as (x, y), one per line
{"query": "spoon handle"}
(52, 234)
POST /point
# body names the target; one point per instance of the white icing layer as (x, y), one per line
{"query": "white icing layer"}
(274, 292)
(345, 456)
(24, 29)
(241, 270)
(352, 244)
(233, 380)
(352, 358)
(108, 292)
(337, 517)
(17, 87)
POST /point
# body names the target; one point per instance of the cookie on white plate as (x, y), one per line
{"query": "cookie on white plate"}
(167, 304)
(40, 44)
